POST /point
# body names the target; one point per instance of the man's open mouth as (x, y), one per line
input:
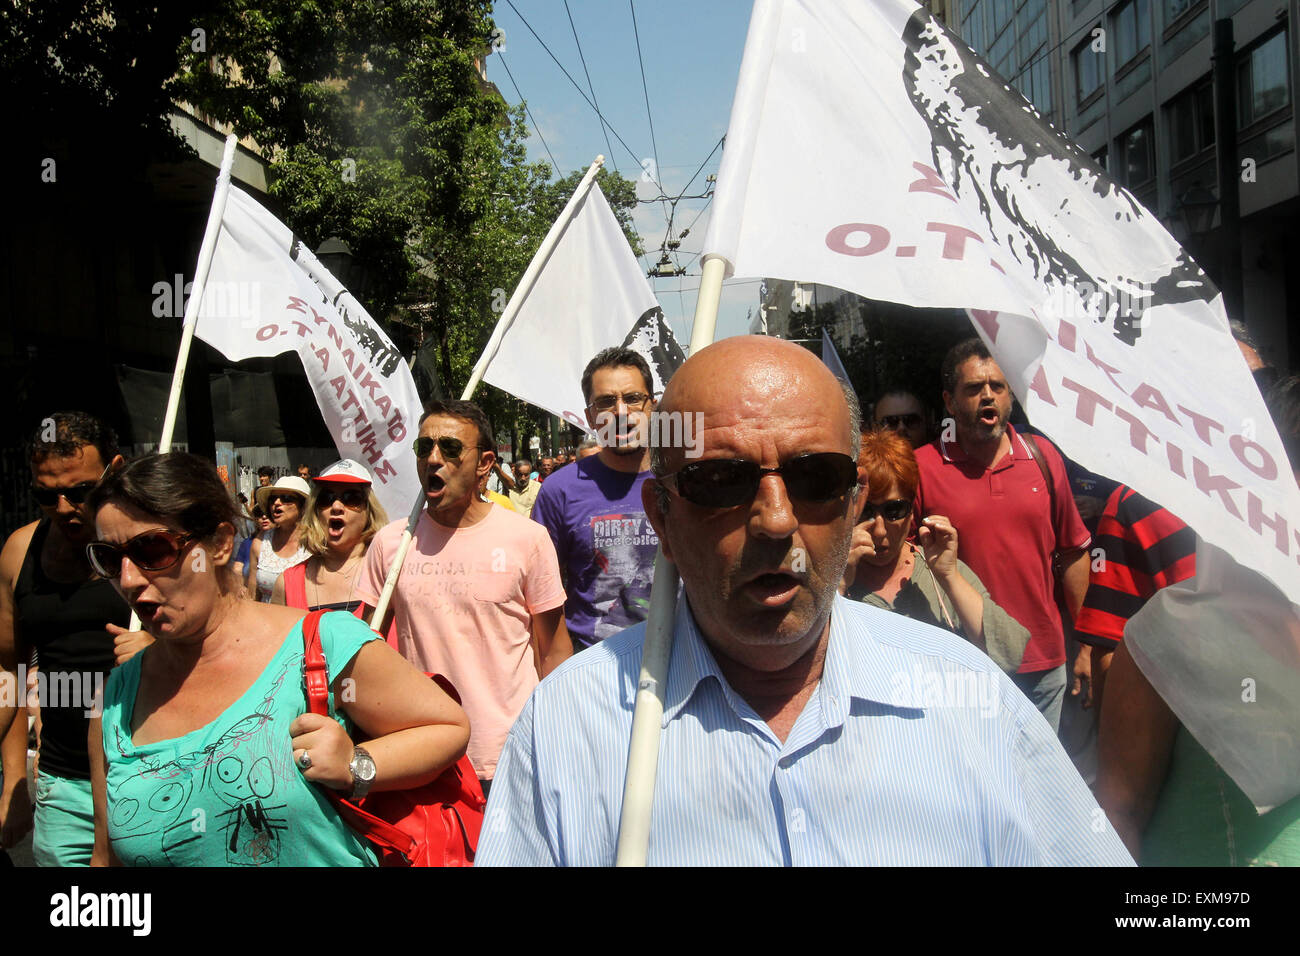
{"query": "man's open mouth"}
(147, 611)
(774, 589)
(435, 484)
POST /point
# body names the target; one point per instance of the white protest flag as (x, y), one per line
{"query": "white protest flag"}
(590, 295)
(267, 294)
(870, 150)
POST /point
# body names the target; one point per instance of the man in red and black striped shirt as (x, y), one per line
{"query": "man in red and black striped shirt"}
(1145, 548)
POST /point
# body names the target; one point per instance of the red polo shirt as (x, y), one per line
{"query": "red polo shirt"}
(1007, 531)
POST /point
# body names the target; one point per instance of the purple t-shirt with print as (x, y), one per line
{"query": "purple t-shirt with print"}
(605, 544)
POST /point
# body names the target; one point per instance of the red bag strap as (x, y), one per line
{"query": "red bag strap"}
(315, 675)
(316, 682)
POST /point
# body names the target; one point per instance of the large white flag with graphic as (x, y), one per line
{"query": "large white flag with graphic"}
(267, 294)
(590, 295)
(870, 150)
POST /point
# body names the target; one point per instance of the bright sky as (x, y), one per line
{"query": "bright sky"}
(691, 52)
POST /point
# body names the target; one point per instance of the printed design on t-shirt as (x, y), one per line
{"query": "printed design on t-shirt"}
(454, 586)
(172, 800)
(622, 590)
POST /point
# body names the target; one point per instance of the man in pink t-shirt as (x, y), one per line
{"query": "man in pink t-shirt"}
(479, 599)
(985, 480)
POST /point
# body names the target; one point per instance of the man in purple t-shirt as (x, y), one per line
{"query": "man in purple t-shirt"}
(593, 510)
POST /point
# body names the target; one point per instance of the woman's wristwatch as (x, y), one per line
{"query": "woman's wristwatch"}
(362, 768)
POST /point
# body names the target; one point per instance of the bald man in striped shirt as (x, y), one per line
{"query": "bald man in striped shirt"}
(799, 728)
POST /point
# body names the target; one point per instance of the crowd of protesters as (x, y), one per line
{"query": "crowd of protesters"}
(831, 561)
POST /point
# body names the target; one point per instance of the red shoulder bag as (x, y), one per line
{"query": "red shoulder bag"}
(434, 825)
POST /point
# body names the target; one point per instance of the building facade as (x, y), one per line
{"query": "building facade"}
(1131, 82)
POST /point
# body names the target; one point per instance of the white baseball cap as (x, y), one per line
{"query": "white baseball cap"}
(345, 471)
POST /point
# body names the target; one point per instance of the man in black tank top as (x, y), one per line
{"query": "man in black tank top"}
(51, 602)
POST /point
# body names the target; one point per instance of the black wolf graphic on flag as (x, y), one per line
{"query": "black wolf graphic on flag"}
(652, 337)
(988, 140)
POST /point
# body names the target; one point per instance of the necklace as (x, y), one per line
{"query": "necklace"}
(354, 562)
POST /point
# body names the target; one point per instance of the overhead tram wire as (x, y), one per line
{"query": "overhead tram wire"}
(555, 167)
(696, 255)
(590, 87)
(720, 141)
(618, 138)
(649, 116)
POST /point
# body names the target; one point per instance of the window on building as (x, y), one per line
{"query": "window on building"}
(973, 29)
(1263, 86)
(1191, 121)
(1102, 158)
(1131, 28)
(1137, 161)
(1041, 84)
(1176, 8)
(1088, 69)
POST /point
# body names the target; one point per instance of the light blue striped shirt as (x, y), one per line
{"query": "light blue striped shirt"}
(914, 749)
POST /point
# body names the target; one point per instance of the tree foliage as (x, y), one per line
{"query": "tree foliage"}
(377, 124)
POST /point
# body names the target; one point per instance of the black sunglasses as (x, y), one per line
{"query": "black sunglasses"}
(354, 499)
(895, 510)
(156, 550)
(75, 495)
(728, 482)
(895, 422)
(288, 497)
(607, 403)
(451, 448)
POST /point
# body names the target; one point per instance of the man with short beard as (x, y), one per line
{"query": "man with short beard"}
(593, 509)
(986, 480)
(51, 600)
(799, 728)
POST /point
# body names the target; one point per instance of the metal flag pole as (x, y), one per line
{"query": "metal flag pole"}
(507, 319)
(206, 250)
(643, 751)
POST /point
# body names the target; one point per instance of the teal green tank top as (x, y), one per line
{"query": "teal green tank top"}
(229, 794)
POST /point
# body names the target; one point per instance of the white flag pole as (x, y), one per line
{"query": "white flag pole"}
(507, 319)
(206, 250)
(208, 247)
(643, 751)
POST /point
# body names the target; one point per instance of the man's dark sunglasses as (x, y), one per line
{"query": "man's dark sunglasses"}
(451, 448)
(895, 422)
(149, 551)
(895, 510)
(728, 482)
(75, 495)
(354, 499)
(607, 403)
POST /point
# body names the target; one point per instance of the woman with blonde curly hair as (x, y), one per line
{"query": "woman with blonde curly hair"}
(341, 518)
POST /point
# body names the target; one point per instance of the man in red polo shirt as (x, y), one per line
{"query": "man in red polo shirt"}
(983, 477)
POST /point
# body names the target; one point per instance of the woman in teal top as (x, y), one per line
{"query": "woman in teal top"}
(208, 755)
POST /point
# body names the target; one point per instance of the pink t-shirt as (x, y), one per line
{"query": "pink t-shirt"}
(462, 609)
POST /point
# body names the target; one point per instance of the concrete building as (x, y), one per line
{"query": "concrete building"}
(1131, 83)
